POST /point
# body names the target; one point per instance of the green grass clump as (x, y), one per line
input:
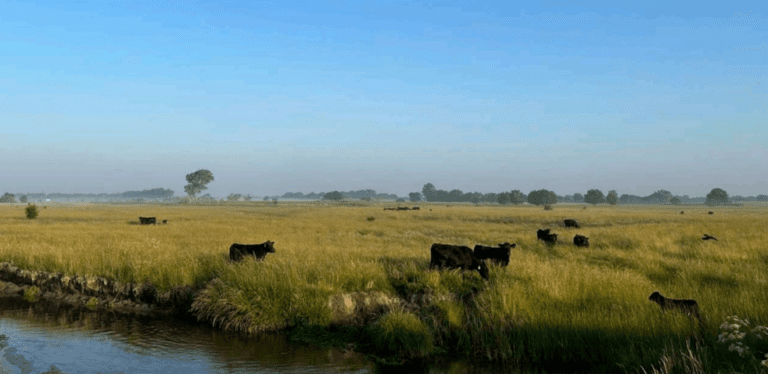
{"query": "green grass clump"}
(402, 334)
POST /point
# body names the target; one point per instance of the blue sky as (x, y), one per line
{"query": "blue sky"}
(343, 95)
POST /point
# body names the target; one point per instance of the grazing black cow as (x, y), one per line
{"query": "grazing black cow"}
(687, 306)
(681, 212)
(415, 208)
(541, 234)
(389, 208)
(402, 208)
(147, 220)
(707, 237)
(457, 257)
(550, 239)
(581, 241)
(571, 223)
(711, 212)
(259, 251)
(498, 254)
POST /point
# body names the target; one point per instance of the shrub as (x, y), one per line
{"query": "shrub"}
(31, 211)
(371, 218)
(31, 294)
(402, 334)
(547, 207)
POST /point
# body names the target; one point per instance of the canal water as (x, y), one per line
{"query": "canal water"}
(46, 337)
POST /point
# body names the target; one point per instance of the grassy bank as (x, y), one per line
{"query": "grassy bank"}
(553, 303)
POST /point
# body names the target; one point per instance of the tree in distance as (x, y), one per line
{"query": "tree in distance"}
(762, 197)
(234, 197)
(612, 198)
(197, 182)
(23, 199)
(542, 196)
(594, 196)
(675, 200)
(8, 198)
(516, 197)
(31, 211)
(578, 198)
(400, 200)
(414, 196)
(429, 191)
(717, 196)
(335, 195)
(503, 198)
(248, 197)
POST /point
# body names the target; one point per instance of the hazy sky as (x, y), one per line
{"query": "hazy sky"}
(109, 96)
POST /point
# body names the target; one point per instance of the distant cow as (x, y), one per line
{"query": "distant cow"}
(571, 223)
(165, 221)
(402, 208)
(707, 237)
(711, 212)
(415, 208)
(147, 220)
(687, 306)
(550, 239)
(498, 254)
(456, 257)
(681, 212)
(259, 251)
(541, 234)
(581, 241)
(389, 208)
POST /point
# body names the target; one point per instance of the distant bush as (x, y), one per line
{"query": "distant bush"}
(23, 199)
(31, 211)
(547, 207)
(334, 195)
(8, 198)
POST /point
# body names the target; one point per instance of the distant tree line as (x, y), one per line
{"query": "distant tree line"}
(152, 194)
(354, 195)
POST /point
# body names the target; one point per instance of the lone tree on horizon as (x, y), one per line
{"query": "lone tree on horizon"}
(717, 196)
(594, 196)
(197, 182)
(613, 197)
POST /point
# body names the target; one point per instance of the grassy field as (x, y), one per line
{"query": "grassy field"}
(552, 303)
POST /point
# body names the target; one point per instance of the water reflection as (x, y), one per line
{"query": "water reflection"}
(75, 340)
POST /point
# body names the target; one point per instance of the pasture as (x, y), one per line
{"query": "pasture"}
(552, 303)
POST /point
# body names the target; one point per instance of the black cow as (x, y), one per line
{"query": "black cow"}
(707, 237)
(550, 239)
(165, 221)
(457, 257)
(259, 251)
(581, 241)
(147, 220)
(402, 208)
(541, 234)
(571, 223)
(711, 212)
(415, 208)
(498, 254)
(681, 212)
(687, 306)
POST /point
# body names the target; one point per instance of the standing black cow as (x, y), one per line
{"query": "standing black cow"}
(259, 251)
(711, 212)
(581, 241)
(498, 254)
(541, 234)
(457, 257)
(550, 239)
(147, 220)
(571, 223)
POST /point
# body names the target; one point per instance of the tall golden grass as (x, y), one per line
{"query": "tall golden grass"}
(556, 302)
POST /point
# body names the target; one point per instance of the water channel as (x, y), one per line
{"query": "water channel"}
(51, 338)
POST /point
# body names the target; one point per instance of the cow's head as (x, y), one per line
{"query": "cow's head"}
(482, 268)
(270, 246)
